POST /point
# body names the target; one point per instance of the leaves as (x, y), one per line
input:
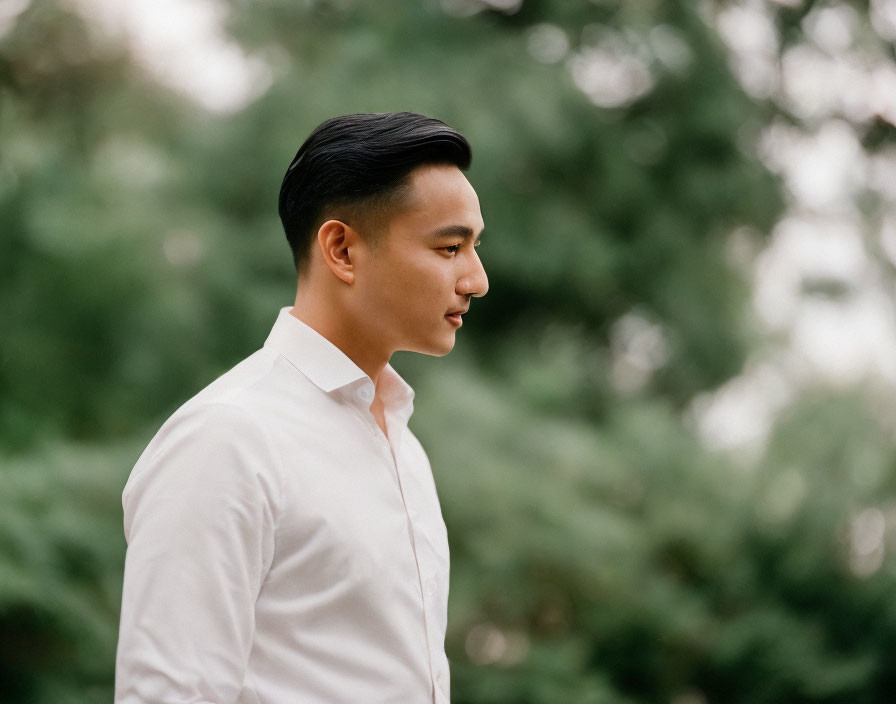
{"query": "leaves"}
(600, 553)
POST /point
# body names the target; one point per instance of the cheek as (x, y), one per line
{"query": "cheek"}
(396, 291)
(413, 285)
(423, 275)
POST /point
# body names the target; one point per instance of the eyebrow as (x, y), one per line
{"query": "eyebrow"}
(455, 231)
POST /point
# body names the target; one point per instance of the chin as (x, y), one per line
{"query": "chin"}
(435, 350)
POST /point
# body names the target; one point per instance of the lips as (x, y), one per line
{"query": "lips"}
(454, 317)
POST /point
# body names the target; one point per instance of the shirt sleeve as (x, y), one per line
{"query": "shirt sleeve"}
(199, 518)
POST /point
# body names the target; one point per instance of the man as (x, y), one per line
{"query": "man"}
(285, 540)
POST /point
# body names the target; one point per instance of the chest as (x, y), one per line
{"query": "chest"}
(356, 508)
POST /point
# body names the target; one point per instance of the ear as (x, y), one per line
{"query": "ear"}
(336, 241)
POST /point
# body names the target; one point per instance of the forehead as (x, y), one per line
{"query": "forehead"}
(440, 196)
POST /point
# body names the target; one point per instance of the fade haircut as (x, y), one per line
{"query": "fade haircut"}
(356, 169)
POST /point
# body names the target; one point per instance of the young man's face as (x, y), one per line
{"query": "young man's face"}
(425, 266)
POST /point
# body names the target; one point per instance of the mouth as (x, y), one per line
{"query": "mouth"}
(454, 316)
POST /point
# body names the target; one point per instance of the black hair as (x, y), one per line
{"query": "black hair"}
(359, 166)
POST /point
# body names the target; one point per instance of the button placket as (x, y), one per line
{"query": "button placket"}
(429, 588)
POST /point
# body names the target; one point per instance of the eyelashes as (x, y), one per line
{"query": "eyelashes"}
(453, 248)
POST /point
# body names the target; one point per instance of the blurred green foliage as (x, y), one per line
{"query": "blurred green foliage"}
(599, 552)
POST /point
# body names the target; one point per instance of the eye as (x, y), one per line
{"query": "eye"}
(451, 249)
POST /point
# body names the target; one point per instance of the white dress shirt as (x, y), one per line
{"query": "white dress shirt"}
(282, 549)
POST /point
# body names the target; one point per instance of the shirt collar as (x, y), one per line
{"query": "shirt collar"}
(329, 368)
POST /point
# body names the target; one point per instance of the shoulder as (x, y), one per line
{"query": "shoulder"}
(230, 411)
(216, 422)
(207, 457)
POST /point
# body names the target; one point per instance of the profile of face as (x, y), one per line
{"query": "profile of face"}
(425, 266)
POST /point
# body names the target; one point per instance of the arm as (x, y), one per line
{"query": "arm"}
(199, 520)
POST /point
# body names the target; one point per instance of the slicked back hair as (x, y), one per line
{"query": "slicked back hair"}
(356, 168)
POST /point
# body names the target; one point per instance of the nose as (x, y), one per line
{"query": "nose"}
(473, 281)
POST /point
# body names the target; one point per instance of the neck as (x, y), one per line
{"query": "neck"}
(326, 316)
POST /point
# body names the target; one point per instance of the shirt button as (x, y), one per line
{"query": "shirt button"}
(365, 394)
(431, 587)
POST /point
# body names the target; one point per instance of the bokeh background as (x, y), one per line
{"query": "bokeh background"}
(664, 443)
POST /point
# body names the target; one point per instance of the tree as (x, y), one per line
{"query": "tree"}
(600, 551)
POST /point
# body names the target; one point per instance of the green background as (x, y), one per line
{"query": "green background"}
(602, 549)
